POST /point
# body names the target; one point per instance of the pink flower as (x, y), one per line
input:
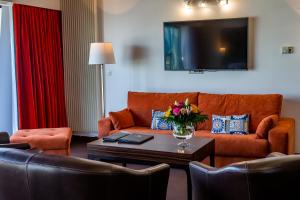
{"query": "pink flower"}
(178, 105)
(181, 105)
(176, 111)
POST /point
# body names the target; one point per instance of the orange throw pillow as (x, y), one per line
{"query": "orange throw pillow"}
(122, 119)
(265, 125)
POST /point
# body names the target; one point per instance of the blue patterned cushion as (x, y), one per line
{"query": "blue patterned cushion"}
(220, 124)
(235, 124)
(239, 124)
(158, 123)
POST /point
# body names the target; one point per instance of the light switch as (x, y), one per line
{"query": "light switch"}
(109, 73)
(288, 50)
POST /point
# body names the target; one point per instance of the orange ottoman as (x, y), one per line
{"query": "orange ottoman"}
(48, 140)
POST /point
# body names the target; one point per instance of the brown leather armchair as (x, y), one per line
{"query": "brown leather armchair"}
(5, 142)
(33, 176)
(275, 177)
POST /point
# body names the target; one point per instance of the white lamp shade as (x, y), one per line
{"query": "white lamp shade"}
(101, 53)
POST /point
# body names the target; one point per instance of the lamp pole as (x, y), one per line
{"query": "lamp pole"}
(102, 71)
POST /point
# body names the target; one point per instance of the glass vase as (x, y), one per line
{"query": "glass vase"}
(183, 132)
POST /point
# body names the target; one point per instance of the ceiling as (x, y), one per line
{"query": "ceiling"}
(295, 4)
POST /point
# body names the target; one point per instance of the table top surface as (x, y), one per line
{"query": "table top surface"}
(160, 143)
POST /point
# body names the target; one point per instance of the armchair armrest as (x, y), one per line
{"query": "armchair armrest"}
(201, 167)
(282, 136)
(275, 154)
(157, 177)
(4, 138)
(158, 181)
(105, 126)
(199, 176)
(22, 146)
(155, 169)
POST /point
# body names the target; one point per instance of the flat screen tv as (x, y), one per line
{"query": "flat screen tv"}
(207, 45)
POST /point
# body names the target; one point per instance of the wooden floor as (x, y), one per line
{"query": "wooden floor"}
(177, 188)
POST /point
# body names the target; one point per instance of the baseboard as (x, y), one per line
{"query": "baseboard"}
(85, 134)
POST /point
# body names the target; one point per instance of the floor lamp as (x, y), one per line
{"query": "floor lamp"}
(101, 54)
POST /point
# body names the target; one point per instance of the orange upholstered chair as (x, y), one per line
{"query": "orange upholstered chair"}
(48, 140)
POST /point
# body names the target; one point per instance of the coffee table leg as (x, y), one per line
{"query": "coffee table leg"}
(212, 159)
(189, 183)
(212, 156)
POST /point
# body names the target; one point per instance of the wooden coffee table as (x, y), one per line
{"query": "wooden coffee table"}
(161, 149)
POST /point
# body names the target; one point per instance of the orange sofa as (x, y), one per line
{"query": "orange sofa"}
(229, 148)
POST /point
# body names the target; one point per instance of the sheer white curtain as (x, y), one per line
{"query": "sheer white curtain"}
(8, 97)
(0, 18)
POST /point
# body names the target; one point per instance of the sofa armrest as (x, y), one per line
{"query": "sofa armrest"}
(282, 136)
(105, 126)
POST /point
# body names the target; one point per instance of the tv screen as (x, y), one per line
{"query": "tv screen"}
(206, 45)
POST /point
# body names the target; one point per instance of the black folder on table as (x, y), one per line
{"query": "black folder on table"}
(114, 137)
(135, 138)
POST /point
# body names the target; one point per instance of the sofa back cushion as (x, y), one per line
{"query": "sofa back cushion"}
(257, 106)
(141, 104)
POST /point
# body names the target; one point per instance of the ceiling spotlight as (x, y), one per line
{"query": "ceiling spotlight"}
(202, 4)
(187, 2)
(188, 9)
(222, 2)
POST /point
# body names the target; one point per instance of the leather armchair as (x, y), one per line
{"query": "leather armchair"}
(5, 142)
(275, 177)
(33, 176)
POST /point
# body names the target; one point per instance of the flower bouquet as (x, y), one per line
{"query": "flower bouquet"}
(184, 116)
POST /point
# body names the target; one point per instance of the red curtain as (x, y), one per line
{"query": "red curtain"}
(39, 67)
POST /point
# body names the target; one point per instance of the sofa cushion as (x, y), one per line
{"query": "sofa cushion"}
(235, 124)
(122, 119)
(239, 124)
(237, 145)
(257, 106)
(158, 123)
(141, 104)
(141, 129)
(220, 124)
(265, 125)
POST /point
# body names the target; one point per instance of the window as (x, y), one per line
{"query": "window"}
(0, 19)
(7, 74)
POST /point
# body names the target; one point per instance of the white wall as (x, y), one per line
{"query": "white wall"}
(51, 4)
(136, 29)
(5, 74)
